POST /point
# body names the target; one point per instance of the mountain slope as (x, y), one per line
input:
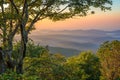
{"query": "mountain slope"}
(64, 51)
(74, 39)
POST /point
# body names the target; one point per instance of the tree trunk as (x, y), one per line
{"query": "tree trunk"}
(7, 63)
(19, 67)
(10, 62)
(2, 62)
(24, 38)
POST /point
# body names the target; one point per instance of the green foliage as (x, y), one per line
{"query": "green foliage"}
(19, 16)
(45, 66)
(85, 66)
(10, 75)
(41, 65)
(34, 50)
(109, 55)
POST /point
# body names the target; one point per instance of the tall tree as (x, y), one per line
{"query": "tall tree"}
(20, 16)
(109, 55)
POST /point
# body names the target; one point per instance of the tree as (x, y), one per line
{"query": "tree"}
(84, 66)
(45, 67)
(109, 55)
(19, 16)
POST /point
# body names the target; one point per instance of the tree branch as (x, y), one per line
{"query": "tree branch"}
(32, 2)
(32, 23)
(38, 15)
(63, 9)
(17, 11)
(25, 12)
(1, 35)
(1, 28)
(15, 30)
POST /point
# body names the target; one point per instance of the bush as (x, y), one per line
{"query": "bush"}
(10, 75)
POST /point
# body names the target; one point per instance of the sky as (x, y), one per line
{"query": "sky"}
(108, 21)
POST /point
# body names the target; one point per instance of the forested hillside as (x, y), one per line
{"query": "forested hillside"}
(42, 65)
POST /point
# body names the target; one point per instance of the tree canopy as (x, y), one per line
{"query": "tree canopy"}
(86, 65)
(105, 65)
(109, 55)
(19, 16)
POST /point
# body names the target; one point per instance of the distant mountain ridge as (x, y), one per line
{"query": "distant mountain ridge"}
(64, 51)
(73, 39)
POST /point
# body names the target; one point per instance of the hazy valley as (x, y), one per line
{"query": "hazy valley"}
(73, 41)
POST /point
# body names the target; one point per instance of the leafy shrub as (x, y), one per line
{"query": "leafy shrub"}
(10, 75)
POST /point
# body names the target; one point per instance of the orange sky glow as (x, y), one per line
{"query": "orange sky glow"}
(109, 20)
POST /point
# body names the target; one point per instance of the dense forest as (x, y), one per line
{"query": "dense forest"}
(42, 65)
(23, 60)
